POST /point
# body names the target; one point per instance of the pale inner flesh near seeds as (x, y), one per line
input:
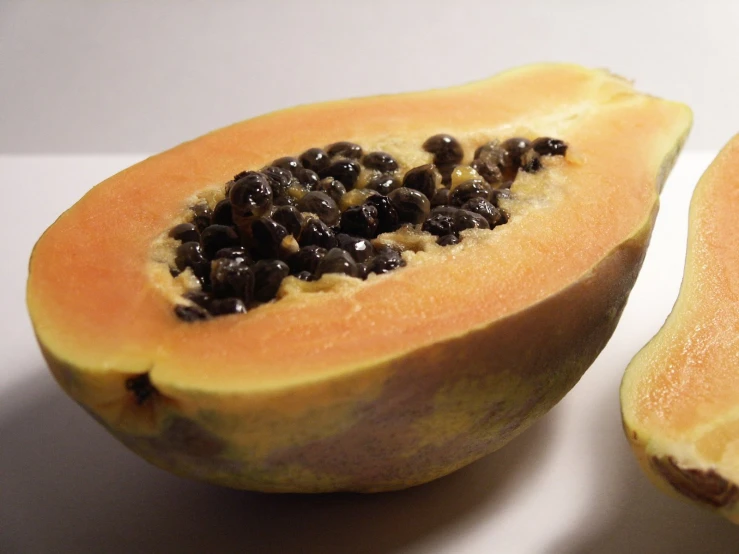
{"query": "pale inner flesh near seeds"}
(343, 214)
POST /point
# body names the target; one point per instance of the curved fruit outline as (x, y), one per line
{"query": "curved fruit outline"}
(680, 393)
(362, 385)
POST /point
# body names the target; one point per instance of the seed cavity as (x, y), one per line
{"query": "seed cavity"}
(322, 212)
(445, 148)
(382, 161)
(345, 149)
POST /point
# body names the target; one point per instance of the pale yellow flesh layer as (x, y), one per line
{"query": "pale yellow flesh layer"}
(680, 394)
(557, 233)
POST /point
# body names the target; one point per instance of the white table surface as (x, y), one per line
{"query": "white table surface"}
(568, 485)
(86, 76)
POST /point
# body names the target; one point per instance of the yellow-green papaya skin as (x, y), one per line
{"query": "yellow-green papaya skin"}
(423, 401)
(397, 425)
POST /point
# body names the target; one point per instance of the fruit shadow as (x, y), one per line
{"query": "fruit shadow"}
(628, 513)
(67, 486)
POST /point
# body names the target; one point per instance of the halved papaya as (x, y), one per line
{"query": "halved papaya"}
(333, 381)
(680, 393)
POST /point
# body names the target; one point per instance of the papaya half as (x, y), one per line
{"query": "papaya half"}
(402, 283)
(680, 393)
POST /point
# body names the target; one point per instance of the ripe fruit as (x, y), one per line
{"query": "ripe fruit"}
(401, 368)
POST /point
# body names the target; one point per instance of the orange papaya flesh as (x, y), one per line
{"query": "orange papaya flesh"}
(680, 393)
(363, 385)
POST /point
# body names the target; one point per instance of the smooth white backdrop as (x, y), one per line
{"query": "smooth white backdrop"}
(137, 76)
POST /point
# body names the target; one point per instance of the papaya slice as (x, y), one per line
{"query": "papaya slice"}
(343, 383)
(680, 393)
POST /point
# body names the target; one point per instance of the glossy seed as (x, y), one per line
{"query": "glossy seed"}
(412, 206)
(305, 276)
(531, 161)
(486, 209)
(227, 306)
(441, 197)
(439, 225)
(322, 205)
(290, 218)
(201, 298)
(315, 159)
(469, 190)
(190, 254)
(345, 149)
(235, 253)
(516, 147)
(251, 196)
(447, 240)
(546, 146)
(445, 148)
(223, 213)
(469, 220)
(445, 210)
(359, 248)
(278, 178)
(185, 232)
(487, 170)
(337, 260)
(386, 259)
(424, 178)
(191, 313)
(446, 173)
(307, 177)
(285, 201)
(231, 278)
(496, 195)
(268, 276)
(287, 162)
(494, 153)
(334, 188)
(387, 215)
(361, 221)
(215, 237)
(306, 259)
(267, 235)
(384, 183)
(346, 171)
(382, 161)
(362, 270)
(203, 215)
(316, 232)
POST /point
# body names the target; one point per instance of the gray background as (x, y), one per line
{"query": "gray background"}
(83, 76)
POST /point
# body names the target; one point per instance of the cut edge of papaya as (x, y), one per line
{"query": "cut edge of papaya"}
(679, 393)
(126, 303)
(283, 398)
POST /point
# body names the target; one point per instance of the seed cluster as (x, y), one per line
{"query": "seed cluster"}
(318, 213)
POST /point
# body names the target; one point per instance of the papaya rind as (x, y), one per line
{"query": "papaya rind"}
(387, 423)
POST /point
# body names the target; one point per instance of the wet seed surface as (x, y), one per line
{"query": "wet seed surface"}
(310, 215)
